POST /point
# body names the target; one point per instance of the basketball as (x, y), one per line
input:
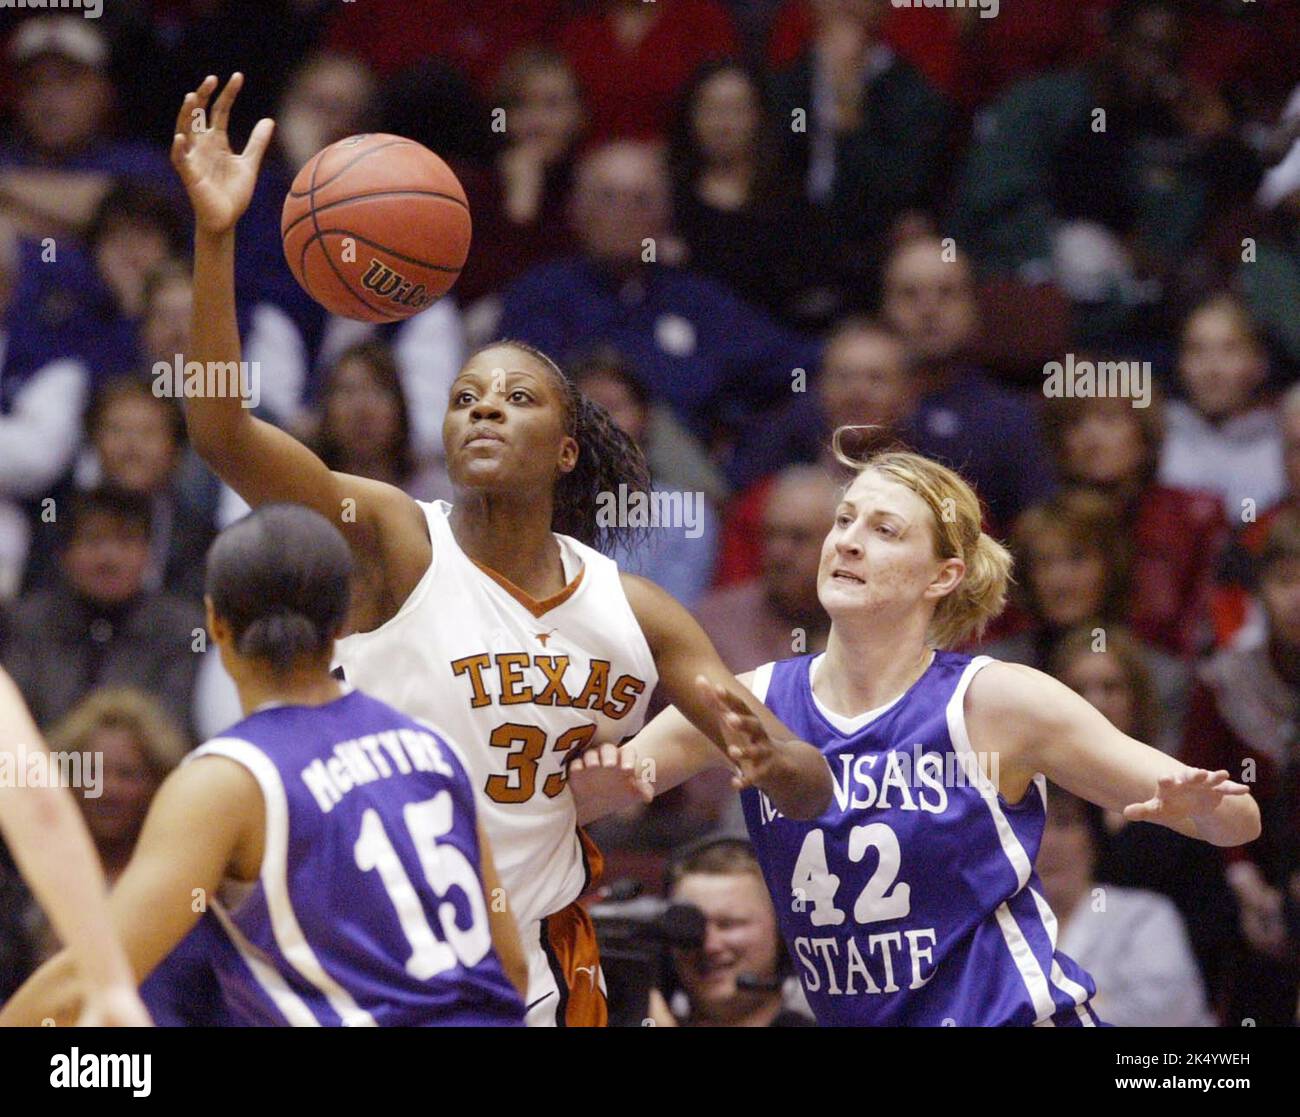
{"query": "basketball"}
(375, 227)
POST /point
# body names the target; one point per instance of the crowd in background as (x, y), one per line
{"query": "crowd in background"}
(739, 226)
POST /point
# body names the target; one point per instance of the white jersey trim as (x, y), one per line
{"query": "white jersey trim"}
(1031, 972)
(762, 679)
(288, 933)
(292, 1007)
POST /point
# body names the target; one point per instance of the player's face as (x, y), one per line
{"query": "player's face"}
(878, 559)
(740, 938)
(504, 428)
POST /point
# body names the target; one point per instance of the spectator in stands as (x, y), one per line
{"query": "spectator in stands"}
(1224, 438)
(60, 162)
(519, 202)
(1244, 711)
(633, 58)
(865, 380)
(136, 440)
(1104, 175)
(675, 457)
(1268, 275)
(1177, 536)
(713, 358)
(777, 614)
(964, 420)
(737, 976)
(99, 626)
(1115, 678)
(737, 206)
(1236, 613)
(872, 132)
(364, 427)
(677, 555)
(1133, 942)
(138, 745)
(1073, 561)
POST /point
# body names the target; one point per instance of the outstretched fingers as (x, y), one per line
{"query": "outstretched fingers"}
(225, 99)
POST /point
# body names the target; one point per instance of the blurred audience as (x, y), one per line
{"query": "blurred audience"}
(1133, 942)
(1073, 562)
(777, 614)
(632, 58)
(1115, 678)
(519, 201)
(964, 420)
(1176, 536)
(98, 625)
(1224, 437)
(738, 208)
(711, 357)
(865, 131)
(1244, 711)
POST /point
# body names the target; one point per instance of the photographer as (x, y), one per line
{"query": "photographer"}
(736, 977)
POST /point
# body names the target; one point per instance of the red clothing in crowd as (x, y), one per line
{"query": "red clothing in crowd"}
(740, 548)
(475, 38)
(632, 93)
(1178, 537)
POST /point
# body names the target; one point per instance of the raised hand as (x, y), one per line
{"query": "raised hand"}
(1193, 793)
(218, 182)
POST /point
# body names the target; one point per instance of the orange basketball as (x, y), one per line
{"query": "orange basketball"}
(375, 227)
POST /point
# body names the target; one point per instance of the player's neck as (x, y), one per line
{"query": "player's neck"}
(863, 670)
(509, 537)
(308, 687)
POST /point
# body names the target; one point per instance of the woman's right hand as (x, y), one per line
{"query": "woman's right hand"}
(219, 182)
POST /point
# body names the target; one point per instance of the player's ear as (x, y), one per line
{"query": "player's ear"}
(218, 627)
(568, 454)
(948, 577)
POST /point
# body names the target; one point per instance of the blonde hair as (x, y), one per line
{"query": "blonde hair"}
(980, 596)
(160, 739)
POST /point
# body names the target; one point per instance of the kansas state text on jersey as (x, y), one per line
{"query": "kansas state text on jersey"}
(369, 908)
(912, 900)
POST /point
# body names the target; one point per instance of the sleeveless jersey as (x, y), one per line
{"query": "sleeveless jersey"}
(912, 900)
(517, 683)
(369, 907)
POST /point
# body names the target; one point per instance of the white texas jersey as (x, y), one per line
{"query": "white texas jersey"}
(517, 683)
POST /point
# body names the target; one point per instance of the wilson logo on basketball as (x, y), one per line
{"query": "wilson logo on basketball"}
(388, 284)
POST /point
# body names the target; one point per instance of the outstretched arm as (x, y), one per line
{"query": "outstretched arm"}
(52, 848)
(1032, 723)
(736, 728)
(258, 460)
(203, 817)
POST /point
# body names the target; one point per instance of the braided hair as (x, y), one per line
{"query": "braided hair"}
(608, 459)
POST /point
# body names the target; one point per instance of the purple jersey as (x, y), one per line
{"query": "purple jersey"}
(369, 908)
(912, 900)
